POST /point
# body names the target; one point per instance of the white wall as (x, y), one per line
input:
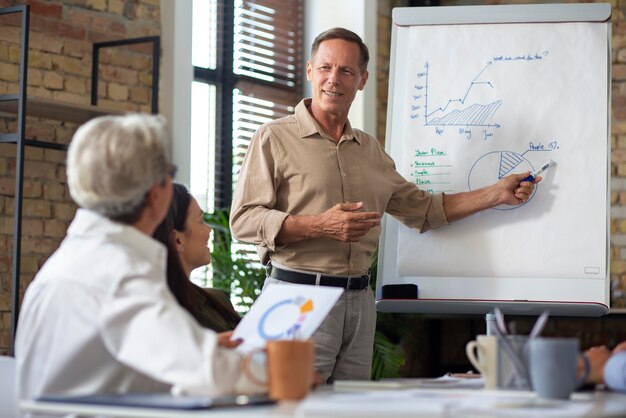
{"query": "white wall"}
(359, 16)
(176, 78)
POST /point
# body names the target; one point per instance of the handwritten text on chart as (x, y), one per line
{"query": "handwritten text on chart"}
(430, 171)
(521, 57)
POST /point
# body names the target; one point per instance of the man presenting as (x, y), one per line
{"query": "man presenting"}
(311, 194)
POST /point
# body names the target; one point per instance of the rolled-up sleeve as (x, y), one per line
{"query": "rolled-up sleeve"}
(253, 218)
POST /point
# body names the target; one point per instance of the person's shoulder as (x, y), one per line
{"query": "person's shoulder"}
(367, 139)
(277, 130)
(281, 122)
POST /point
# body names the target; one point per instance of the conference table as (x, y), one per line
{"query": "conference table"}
(373, 401)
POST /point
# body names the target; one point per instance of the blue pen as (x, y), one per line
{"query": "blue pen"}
(543, 168)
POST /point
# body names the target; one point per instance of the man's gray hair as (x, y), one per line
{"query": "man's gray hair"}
(113, 161)
(346, 35)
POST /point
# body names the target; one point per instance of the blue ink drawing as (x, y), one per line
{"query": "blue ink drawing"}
(473, 114)
(495, 165)
(294, 310)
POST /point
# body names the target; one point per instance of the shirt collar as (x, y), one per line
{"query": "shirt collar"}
(91, 224)
(308, 126)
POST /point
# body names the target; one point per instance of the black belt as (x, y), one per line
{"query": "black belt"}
(348, 283)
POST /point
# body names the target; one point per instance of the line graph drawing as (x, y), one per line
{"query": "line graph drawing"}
(470, 114)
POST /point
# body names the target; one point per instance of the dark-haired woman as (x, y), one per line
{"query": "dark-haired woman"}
(186, 236)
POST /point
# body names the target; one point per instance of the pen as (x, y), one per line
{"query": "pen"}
(541, 169)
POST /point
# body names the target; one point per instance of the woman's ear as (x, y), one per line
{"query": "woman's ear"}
(178, 240)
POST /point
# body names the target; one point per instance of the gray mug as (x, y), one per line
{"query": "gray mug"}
(552, 366)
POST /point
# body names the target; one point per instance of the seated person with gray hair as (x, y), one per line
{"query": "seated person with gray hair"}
(99, 317)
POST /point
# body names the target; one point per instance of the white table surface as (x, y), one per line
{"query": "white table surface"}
(329, 403)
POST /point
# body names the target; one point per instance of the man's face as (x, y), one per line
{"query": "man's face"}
(335, 76)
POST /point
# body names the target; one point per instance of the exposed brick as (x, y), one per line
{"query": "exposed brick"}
(53, 155)
(35, 77)
(55, 228)
(46, 42)
(6, 225)
(116, 7)
(39, 59)
(54, 192)
(29, 264)
(75, 84)
(53, 80)
(140, 94)
(40, 245)
(118, 28)
(76, 48)
(117, 92)
(4, 52)
(10, 34)
(72, 65)
(36, 208)
(99, 5)
(64, 211)
(64, 29)
(14, 54)
(7, 186)
(41, 170)
(119, 75)
(9, 72)
(619, 72)
(120, 106)
(145, 78)
(32, 189)
(47, 9)
(32, 227)
(41, 132)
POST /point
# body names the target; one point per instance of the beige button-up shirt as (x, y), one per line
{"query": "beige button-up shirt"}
(294, 168)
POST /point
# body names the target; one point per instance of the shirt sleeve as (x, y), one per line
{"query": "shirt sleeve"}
(144, 328)
(615, 372)
(252, 217)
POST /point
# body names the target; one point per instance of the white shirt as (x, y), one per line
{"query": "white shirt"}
(99, 317)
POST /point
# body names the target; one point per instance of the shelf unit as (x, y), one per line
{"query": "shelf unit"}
(20, 105)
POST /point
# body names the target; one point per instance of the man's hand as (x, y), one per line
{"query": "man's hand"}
(342, 222)
(597, 356)
(514, 191)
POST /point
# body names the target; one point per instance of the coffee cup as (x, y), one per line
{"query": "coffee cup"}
(483, 354)
(289, 368)
(553, 366)
(500, 360)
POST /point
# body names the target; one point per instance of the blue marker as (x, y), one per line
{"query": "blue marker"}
(541, 169)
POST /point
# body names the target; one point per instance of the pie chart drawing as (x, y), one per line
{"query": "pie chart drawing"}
(495, 165)
(284, 318)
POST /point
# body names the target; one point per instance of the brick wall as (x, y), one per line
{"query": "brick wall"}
(61, 38)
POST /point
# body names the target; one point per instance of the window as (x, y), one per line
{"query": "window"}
(248, 70)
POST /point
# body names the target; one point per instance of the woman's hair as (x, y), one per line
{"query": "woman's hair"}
(177, 280)
(113, 161)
